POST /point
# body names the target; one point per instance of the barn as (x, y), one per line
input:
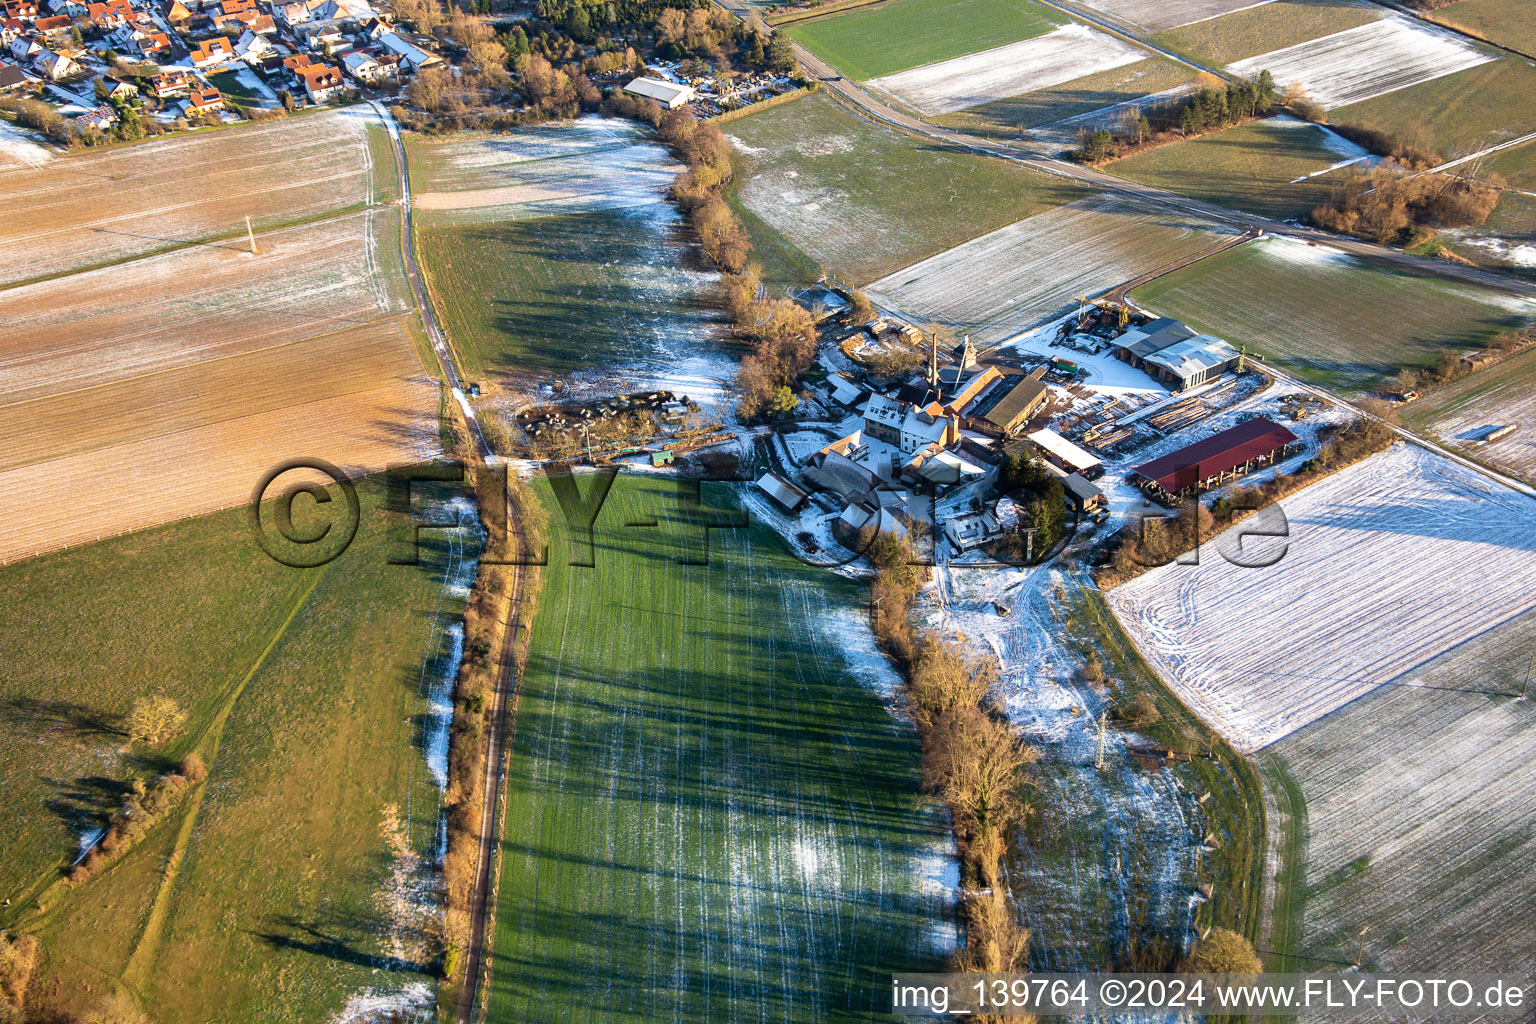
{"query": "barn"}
(1170, 351)
(668, 94)
(1224, 456)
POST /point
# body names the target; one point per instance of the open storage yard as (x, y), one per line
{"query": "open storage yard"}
(263, 887)
(1277, 167)
(1039, 63)
(709, 809)
(1327, 317)
(1412, 813)
(1371, 60)
(1388, 563)
(1004, 282)
(905, 34)
(863, 200)
(1464, 413)
(98, 207)
(1266, 27)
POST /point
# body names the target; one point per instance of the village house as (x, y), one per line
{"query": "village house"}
(253, 46)
(55, 66)
(68, 8)
(367, 69)
(204, 100)
(212, 51)
(412, 57)
(111, 15)
(322, 83)
(120, 87)
(177, 14)
(25, 48)
(170, 82)
(54, 31)
(12, 78)
(21, 10)
(102, 118)
(151, 43)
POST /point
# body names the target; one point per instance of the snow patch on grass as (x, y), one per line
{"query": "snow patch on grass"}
(1367, 61)
(1069, 52)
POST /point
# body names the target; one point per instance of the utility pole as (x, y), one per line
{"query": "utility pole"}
(1526, 689)
(249, 234)
(1098, 762)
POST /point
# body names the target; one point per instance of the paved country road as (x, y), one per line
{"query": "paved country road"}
(503, 711)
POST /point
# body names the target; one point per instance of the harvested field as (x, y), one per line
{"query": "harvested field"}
(591, 164)
(1371, 60)
(1458, 114)
(709, 809)
(178, 473)
(1388, 564)
(863, 200)
(1103, 94)
(1039, 63)
(1506, 22)
(1277, 167)
(1264, 28)
(1002, 283)
(1464, 413)
(1329, 318)
(905, 34)
(1156, 15)
(1419, 817)
(199, 303)
(97, 207)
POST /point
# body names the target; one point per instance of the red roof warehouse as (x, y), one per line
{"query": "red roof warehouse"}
(1214, 459)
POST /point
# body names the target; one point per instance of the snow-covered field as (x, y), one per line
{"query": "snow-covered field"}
(1388, 563)
(1156, 15)
(593, 163)
(1009, 280)
(1072, 51)
(1370, 60)
(1421, 815)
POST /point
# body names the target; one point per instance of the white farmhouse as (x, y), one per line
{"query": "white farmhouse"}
(669, 94)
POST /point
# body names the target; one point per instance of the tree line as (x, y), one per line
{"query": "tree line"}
(1214, 107)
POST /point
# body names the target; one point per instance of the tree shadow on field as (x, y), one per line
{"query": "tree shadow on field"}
(61, 717)
(86, 802)
(335, 939)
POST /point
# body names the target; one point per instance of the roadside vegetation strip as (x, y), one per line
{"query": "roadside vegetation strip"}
(1422, 822)
(707, 812)
(97, 206)
(1371, 60)
(863, 200)
(1286, 814)
(995, 286)
(1038, 63)
(905, 34)
(1331, 319)
(1228, 638)
(1271, 26)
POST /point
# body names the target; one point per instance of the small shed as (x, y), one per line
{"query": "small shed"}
(784, 494)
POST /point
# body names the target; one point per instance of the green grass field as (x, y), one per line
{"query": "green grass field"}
(228, 83)
(1252, 167)
(1326, 317)
(1506, 22)
(1257, 30)
(1002, 118)
(255, 899)
(903, 34)
(863, 200)
(709, 817)
(558, 295)
(1458, 114)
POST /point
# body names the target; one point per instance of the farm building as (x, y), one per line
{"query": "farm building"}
(1082, 493)
(1174, 353)
(1063, 454)
(784, 494)
(1008, 404)
(1224, 456)
(668, 94)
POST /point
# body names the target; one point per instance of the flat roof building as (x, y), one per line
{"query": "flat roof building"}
(669, 94)
(1225, 456)
(1060, 452)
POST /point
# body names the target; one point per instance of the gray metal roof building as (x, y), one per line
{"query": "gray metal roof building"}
(1174, 353)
